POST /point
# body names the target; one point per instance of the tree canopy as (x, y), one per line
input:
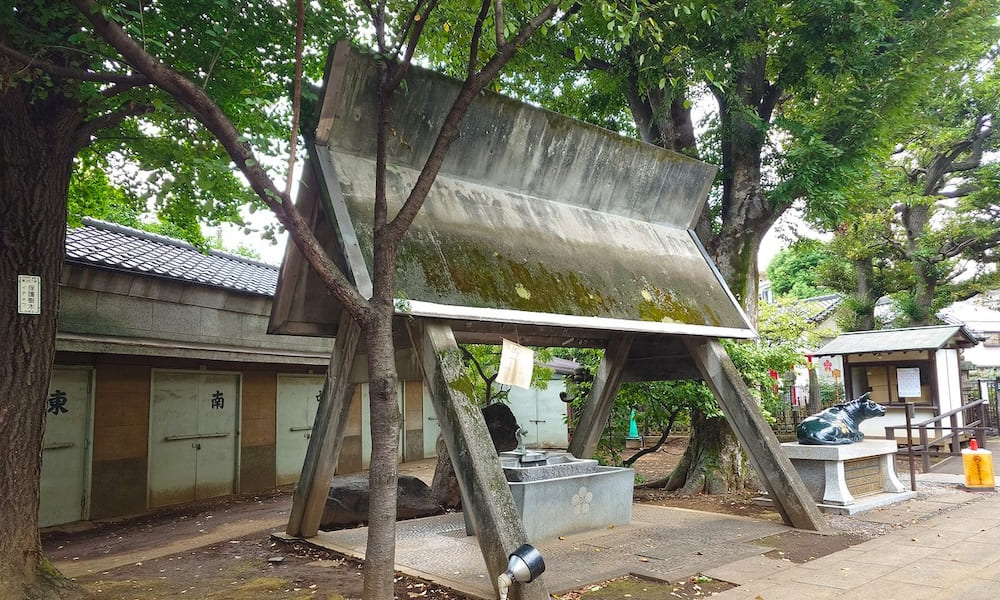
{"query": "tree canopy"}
(804, 94)
(151, 148)
(793, 271)
(924, 228)
(184, 90)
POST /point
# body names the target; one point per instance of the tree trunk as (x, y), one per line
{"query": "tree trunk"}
(383, 469)
(747, 215)
(916, 218)
(36, 159)
(713, 462)
(865, 296)
(922, 309)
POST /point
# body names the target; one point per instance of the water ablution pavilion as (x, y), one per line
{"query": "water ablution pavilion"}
(539, 229)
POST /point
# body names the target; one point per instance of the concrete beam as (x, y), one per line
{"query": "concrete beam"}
(320, 463)
(791, 498)
(602, 397)
(486, 497)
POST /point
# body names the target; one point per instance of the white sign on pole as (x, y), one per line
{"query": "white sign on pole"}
(908, 382)
(29, 294)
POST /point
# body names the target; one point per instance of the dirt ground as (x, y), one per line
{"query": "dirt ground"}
(254, 565)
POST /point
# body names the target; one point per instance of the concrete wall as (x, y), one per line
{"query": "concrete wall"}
(121, 428)
(124, 326)
(122, 306)
(257, 436)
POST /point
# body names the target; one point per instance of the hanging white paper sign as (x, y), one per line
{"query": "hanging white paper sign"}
(516, 365)
(908, 382)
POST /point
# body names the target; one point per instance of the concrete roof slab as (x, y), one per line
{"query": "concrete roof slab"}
(535, 220)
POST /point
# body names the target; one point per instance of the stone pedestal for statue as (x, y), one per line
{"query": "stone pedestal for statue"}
(849, 478)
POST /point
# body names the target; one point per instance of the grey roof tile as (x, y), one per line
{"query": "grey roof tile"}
(122, 248)
(892, 340)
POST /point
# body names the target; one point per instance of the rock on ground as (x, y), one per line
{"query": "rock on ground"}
(347, 501)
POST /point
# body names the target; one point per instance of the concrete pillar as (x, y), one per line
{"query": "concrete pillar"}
(776, 472)
(327, 438)
(602, 397)
(486, 498)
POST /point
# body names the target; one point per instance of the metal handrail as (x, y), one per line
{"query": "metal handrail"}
(978, 428)
(194, 436)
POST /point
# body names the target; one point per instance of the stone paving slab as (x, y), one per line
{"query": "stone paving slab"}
(936, 545)
(901, 513)
(748, 569)
(953, 552)
(661, 543)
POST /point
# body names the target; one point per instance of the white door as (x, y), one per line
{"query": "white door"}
(66, 447)
(431, 426)
(541, 414)
(298, 399)
(524, 404)
(192, 442)
(550, 416)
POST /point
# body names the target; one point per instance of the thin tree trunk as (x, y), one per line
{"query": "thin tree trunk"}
(383, 470)
(36, 159)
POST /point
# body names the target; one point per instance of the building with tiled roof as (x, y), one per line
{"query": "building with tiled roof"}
(167, 388)
(117, 247)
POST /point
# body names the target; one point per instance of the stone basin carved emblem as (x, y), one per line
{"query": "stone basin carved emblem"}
(581, 501)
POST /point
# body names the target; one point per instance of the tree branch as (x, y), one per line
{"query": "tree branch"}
(111, 119)
(449, 129)
(769, 101)
(119, 88)
(300, 21)
(589, 63)
(31, 62)
(487, 379)
(959, 192)
(212, 117)
(642, 111)
(477, 33)
(412, 31)
(659, 443)
(498, 21)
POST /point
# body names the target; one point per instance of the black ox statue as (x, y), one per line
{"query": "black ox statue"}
(838, 424)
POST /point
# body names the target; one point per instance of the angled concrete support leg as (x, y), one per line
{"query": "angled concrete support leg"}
(485, 494)
(327, 435)
(602, 397)
(776, 472)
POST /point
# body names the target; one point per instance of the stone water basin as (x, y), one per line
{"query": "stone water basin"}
(536, 466)
(559, 494)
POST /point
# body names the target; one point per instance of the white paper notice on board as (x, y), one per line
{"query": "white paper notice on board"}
(29, 294)
(908, 382)
(516, 365)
